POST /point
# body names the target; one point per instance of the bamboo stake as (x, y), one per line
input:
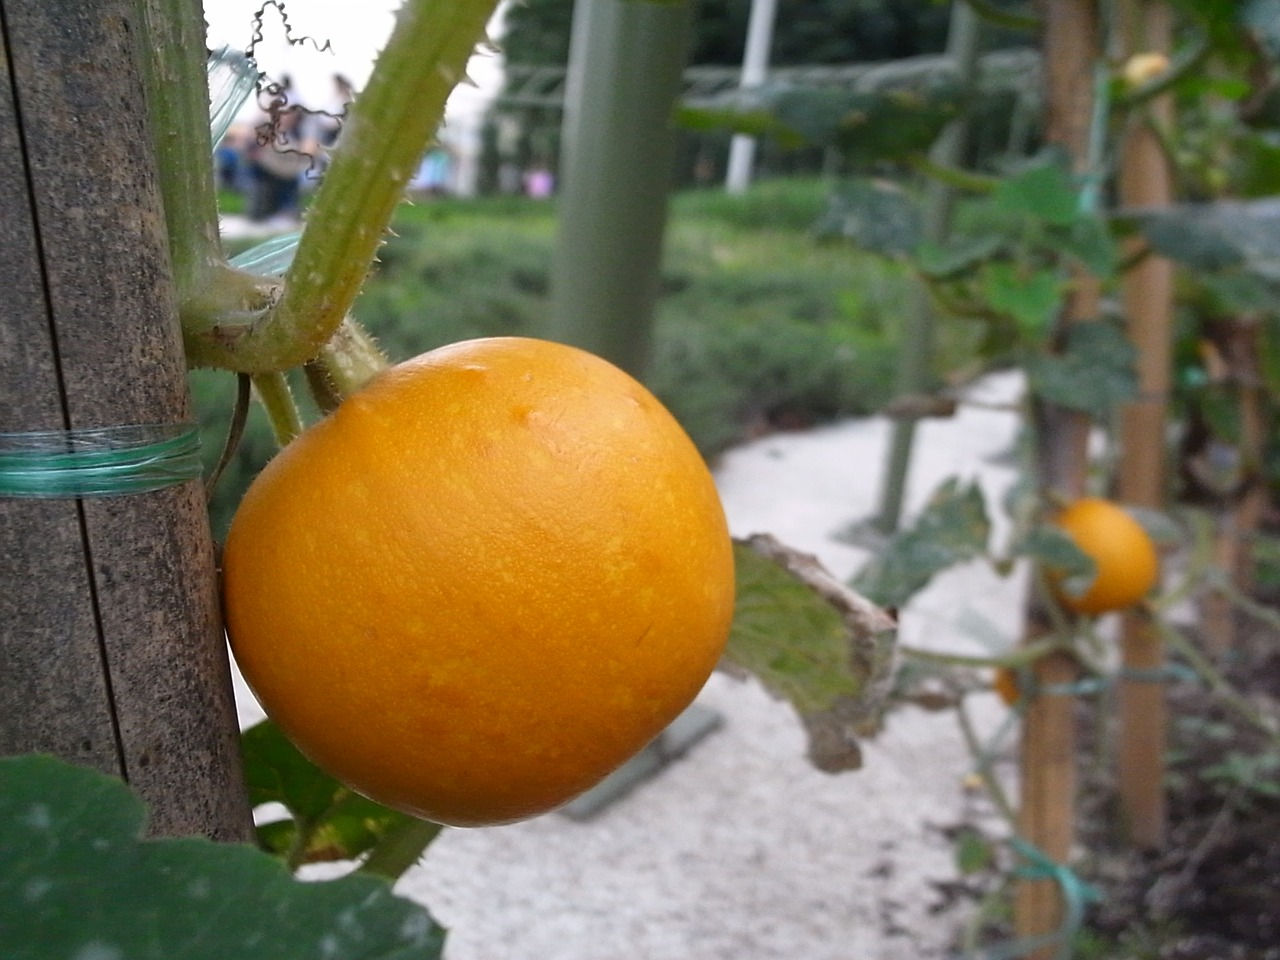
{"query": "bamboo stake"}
(1047, 754)
(1145, 180)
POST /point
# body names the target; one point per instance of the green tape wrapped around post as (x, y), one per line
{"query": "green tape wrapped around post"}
(98, 462)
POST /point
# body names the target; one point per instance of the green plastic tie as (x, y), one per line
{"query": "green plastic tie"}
(1077, 688)
(98, 461)
(1167, 673)
(1075, 894)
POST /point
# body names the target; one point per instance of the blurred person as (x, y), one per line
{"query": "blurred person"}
(276, 158)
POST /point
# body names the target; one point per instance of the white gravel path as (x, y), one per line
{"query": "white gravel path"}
(741, 850)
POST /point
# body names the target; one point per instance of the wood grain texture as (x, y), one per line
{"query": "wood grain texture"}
(110, 604)
(1047, 758)
(1145, 180)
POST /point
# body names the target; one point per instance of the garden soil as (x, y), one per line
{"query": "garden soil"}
(740, 850)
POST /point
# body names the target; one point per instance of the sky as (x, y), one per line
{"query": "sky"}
(356, 32)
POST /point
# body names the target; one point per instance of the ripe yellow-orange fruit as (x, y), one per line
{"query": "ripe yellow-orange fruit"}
(485, 581)
(1126, 559)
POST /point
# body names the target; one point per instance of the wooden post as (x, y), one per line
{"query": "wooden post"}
(1145, 181)
(111, 647)
(1047, 763)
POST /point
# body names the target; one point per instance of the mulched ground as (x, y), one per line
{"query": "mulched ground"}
(1214, 892)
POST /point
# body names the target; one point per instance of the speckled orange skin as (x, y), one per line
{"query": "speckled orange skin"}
(1126, 559)
(483, 583)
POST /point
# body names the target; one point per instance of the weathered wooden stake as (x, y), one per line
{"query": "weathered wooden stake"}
(1145, 181)
(111, 647)
(1047, 763)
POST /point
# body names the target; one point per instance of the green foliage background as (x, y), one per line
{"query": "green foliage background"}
(807, 31)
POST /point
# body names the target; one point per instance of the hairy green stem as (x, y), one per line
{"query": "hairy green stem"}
(351, 358)
(346, 363)
(212, 296)
(178, 105)
(277, 399)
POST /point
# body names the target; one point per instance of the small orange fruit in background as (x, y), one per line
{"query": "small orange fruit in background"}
(485, 581)
(1126, 559)
(1005, 684)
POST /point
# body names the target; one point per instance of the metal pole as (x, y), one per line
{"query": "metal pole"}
(755, 63)
(618, 147)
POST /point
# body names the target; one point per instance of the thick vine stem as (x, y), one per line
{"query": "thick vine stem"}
(351, 358)
(386, 132)
(173, 60)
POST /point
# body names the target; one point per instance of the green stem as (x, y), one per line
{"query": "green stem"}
(983, 758)
(277, 400)
(346, 363)
(178, 106)
(400, 849)
(351, 358)
(952, 177)
(1020, 657)
(999, 17)
(212, 296)
(304, 831)
(386, 132)
(1216, 682)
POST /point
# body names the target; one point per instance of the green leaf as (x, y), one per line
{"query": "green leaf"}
(1093, 374)
(958, 255)
(277, 773)
(812, 642)
(876, 215)
(1090, 241)
(1032, 299)
(339, 824)
(739, 117)
(893, 125)
(1043, 192)
(951, 529)
(1196, 236)
(76, 881)
(1256, 162)
(1053, 549)
(868, 126)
